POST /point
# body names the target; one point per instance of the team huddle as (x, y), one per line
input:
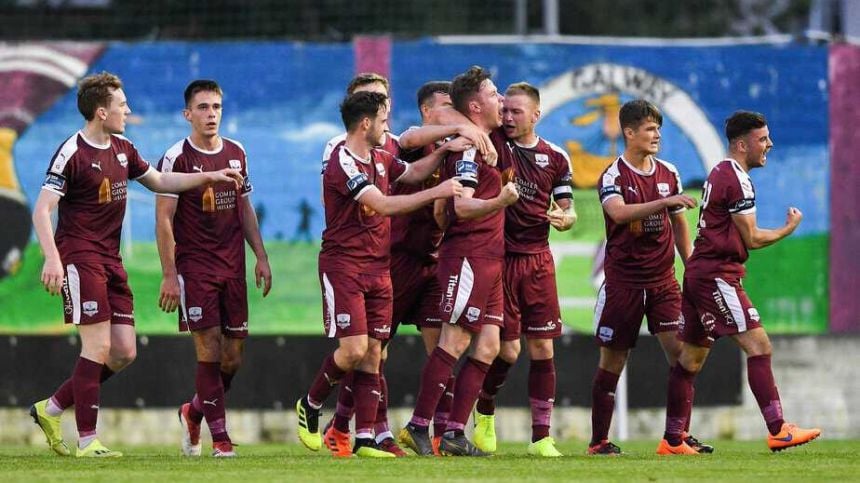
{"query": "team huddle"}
(445, 227)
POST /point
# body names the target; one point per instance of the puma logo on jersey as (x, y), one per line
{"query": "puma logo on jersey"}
(97, 166)
(211, 403)
(199, 169)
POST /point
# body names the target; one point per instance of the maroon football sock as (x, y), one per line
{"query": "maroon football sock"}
(602, 404)
(541, 396)
(345, 404)
(435, 375)
(326, 379)
(381, 424)
(469, 382)
(679, 403)
(210, 391)
(195, 411)
(690, 413)
(366, 391)
(494, 381)
(443, 408)
(85, 385)
(65, 395)
(763, 387)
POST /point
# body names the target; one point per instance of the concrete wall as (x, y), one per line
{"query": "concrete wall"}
(818, 377)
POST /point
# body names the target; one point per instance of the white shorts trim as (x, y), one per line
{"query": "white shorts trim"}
(730, 295)
(465, 284)
(328, 303)
(74, 281)
(183, 310)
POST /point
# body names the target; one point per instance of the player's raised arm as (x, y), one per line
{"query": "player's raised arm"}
(178, 182)
(755, 237)
(400, 204)
(466, 207)
(426, 166)
(621, 212)
(52, 271)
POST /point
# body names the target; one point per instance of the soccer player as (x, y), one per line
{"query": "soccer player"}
(415, 239)
(471, 259)
(87, 182)
(543, 179)
(643, 207)
(201, 237)
(354, 261)
(336, 431)
(714, 302)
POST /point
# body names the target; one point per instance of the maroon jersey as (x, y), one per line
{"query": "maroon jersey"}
(93, 182)
(640, 254)
(481, 237)
(392, 146)
(207, 225)
(542, 171)
(719, 248)
(416, 233)
(356, 238)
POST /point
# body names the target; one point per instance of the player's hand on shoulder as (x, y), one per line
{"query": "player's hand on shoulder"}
(490, 156)
(168, 299)
(509, 194)
(449, 188)
(227, 174)
(52, 276)
(681, 201)
(458, 145)
(793, 217)
(477, 137)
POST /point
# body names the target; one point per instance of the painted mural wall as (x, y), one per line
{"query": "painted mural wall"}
(281, 101)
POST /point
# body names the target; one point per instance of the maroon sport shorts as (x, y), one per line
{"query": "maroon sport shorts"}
(209, 301)
(95, 292)
(531, 297)
(619, 311)
(416, 291)
(472, 293)
(715, 307)
(356, 304)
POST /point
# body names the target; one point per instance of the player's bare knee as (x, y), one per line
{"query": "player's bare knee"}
(353, 351)
(613, 360)
(486, 350)
(122, 356)
(510, 351)
(540, 349)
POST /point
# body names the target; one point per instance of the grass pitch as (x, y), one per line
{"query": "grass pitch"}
(733, 461)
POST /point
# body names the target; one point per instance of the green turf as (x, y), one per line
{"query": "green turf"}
(733, 461)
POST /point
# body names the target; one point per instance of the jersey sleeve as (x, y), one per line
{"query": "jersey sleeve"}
(137, 166)
(562, 185)
(466, 168)
(60, 173)
(171, 162)
(345, 177)
(609, 186)
(740, 194)
(397, 168)
(247, 187)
